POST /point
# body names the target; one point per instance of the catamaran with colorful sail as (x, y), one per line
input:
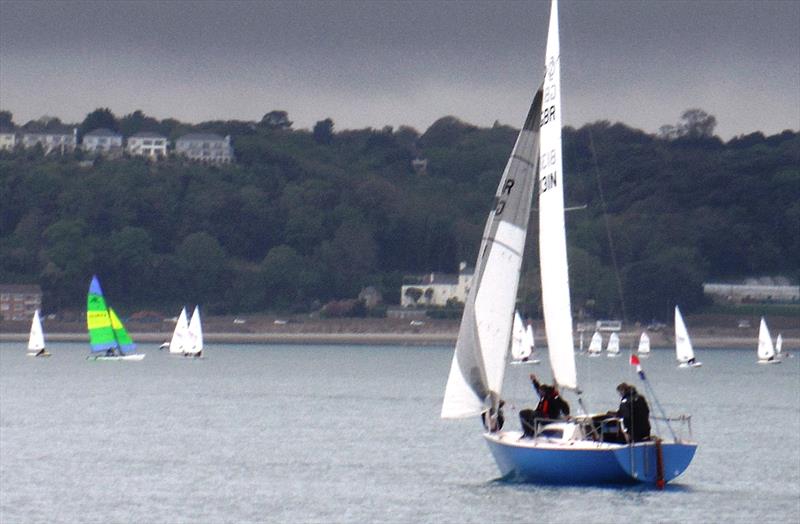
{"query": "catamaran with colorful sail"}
(570, 451)
(36, 346)
(108, 338)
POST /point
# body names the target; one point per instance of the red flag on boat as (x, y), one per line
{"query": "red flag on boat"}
(635, 362)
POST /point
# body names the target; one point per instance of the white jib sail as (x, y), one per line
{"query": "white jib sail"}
(596, 344)
(195, 343)
(778, 344)
(181, 334)
(520, 347)
(765, 349)
(613, 344)
(36, 339)
(552, 234)
(644, 344)
(683, 345)
(479, 360)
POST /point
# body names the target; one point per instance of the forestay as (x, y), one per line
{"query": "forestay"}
(476, 373)
(552, 236)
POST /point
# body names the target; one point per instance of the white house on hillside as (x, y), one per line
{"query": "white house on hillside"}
(436, 289)
(205, 147)
(61, 141)
(147, 144)
(8, 139)
(102, 141)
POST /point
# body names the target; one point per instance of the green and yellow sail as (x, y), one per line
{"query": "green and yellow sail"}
(105, 328)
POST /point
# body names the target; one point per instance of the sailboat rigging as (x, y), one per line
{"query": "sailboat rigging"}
(569, 451)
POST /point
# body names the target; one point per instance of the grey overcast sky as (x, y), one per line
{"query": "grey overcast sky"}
(390, 62)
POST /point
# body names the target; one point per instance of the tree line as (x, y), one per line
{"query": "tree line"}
(305, 217)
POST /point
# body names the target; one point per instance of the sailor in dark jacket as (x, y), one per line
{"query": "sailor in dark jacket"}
(551, 406)
(634, 412)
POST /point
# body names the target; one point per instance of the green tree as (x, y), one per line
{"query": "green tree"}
(276, 120)
(323, 131)
(99, 118)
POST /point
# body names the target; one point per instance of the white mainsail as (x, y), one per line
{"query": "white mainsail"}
(552, 234)
(596, 344)
(180, 336)
(644, 344)
(520, 346)
(765, 349)
(613, 345)
(36, 338)
(683, 345)
(194, 344)
(479, 360)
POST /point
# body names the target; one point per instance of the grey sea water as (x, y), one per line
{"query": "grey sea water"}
(258, 433)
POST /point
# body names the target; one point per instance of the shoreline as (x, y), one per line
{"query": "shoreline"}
(448, 338)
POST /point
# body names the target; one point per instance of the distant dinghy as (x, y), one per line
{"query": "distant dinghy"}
(522, 342)
(612, 350)
(596, 345)
(644, 345)
(684, 351)
(194, 343)
(36, 346)
(766, 352)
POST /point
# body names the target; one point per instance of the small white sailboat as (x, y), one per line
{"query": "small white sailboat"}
(194, 344)
(644, 345)
(522, 342)
(683, 344)
(596, 345)
(766, 352)
(180, 336)
(612, 349)
(560, 452)
(36, 346)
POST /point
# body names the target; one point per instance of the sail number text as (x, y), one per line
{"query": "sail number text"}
(548, 115)
(500, 205)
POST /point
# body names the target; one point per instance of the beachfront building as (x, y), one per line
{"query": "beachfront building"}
(205, 147)
(61, 140)
(147, 144)
(764, 290)
(8, 139)
(19, 301)
(437, 289)
(102, 141)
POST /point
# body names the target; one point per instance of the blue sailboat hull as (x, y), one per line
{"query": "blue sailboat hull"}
(586, 462)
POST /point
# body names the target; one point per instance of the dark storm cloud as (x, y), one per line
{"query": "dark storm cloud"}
(379, 63)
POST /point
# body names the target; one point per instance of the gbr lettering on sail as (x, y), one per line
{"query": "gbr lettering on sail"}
(548, 160)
